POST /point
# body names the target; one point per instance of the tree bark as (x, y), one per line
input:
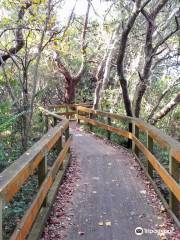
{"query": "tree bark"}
(121, 56)
(150, 52)
(165, 92)
(69, 91)
(99, 77)
(71, 81)
(165, 110)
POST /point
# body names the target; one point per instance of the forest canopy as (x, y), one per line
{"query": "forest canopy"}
(120, 56)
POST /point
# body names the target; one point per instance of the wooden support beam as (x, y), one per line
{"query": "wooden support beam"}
(55, 121)
(150, 148)
(42, 171)
(77, 116)
(67, 133)
(61, 156)
(67, 136)
(130, 127)
(174, 169)
(108, 132)
(136, 134)
(59, 148)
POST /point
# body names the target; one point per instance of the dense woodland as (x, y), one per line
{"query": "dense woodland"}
(123, 60)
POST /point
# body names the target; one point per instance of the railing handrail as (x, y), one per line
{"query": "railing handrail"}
(52, 114)
(68, 105)
(13, 177)
(158, 135)
(28, 162)
(171, 177)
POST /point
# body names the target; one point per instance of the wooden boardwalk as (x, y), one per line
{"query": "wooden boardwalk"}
(110, 200)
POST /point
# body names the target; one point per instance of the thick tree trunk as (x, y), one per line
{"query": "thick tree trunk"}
(143, 79)
(138, 96)
(121, 56)
(69, 96)
(71, 80)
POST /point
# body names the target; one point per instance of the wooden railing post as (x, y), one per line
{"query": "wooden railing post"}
(67, 136)
(67, 133)
(90, 125)
(1, 216)
(78, 120)
(150, 148)
(42, 171)
(59, 148)
(108, 132)
(130, 126)
(55, 121)
(174, 171)
(135, 131)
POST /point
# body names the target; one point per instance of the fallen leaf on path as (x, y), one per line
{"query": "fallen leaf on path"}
(108, 223)
(143, 192)
(100, 223)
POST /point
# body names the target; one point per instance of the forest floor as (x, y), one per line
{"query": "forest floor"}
(105, 196)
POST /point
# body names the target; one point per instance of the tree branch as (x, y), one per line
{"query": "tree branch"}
(165, 110)
(18, 34)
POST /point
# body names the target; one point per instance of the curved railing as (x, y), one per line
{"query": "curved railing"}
(135, 125)
(35, 159)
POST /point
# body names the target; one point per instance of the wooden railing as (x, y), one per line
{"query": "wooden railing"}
(35, 159)
(170, 178)
(67, 110)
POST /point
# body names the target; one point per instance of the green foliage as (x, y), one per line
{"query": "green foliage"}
(12, 119)
(14, 211)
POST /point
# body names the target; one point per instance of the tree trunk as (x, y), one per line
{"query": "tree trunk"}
(99, 77)
(150, 51)
(138, 96)
(97, 94)
(69, 96)
(121, 55)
